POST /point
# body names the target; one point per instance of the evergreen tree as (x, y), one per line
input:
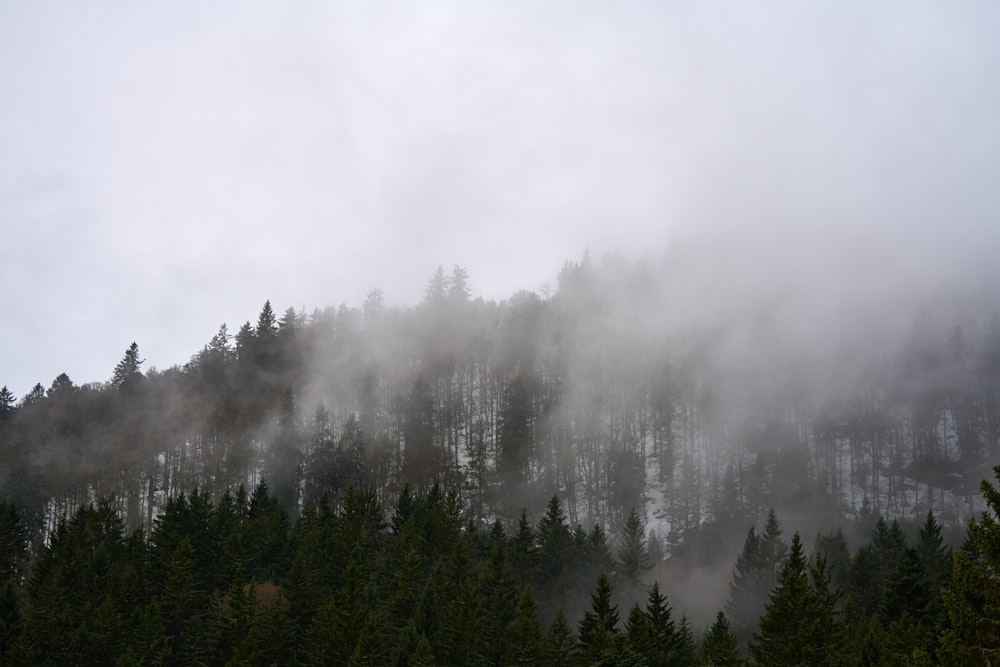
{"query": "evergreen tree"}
(753, 578)
(523, 551)
(908, 591)
(373, 647)
(559, 647)
(458, 285)
(322, 464)
(832, 547)
(684, 653)
(862, 581)
(663, 631)
(632, 554)
(554, 543)
(887, 545)
(934, 554)
(797, 625)
(36, 395)
(719, 647)
(525, 641)
(7, 403)
(335, 631)
(599, 623)
(598, 559)
(127, 370)
(638, 631)
(499, 594)
(973, 598)
(437, 287)
(10, 619)
(773, 547)
(13, 542)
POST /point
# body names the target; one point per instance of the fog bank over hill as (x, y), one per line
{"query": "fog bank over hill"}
(164, 170)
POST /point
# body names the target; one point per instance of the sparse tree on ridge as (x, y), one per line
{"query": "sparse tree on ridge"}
(128, 368)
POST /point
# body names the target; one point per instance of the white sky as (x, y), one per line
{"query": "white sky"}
(166, 167)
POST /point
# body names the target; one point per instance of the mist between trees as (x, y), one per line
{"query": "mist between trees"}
(697, 390)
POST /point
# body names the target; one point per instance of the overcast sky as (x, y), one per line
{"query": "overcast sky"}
(166, 167)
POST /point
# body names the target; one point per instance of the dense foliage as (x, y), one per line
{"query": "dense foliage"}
(236, 581)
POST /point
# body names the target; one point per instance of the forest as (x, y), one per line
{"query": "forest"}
(644, 465)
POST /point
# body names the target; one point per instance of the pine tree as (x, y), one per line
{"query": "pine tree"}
(335, 631)
(554, 543)
(908, 591)
(127, 370)
(10, 619)
(862, 580)
(684, 653)
(523, 552)
(7, 403)
(437, 287)
(559, 646)
(499, 593)
(663, 630)
(525, 636)
(13, 542)
(797, 625)
(598, 559)
(719, 647)
(973, 598)
(372, 649)
(458, 285)
(600, 622)
(321, 466)
(887, 545)
(833, 549)
(638, 631)
(753, 577)
(632, 554)
(934, 554)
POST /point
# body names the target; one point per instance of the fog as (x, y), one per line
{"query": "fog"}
(163, 169)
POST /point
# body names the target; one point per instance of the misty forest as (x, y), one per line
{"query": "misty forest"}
(647, 463)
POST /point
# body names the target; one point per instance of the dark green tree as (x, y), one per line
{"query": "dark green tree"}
(638, 631)
(127, 370)
(499, 594)
(832, 547)
(663, 631)
(719, 647)
(554, 544)
(633, 558)
(972, 601)
(523, 550)
(753, 577)
(934, 554)
(597, 555)
(685, 652)
(525, 636)
(599, 623)
(797, 625)
(559, 646)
